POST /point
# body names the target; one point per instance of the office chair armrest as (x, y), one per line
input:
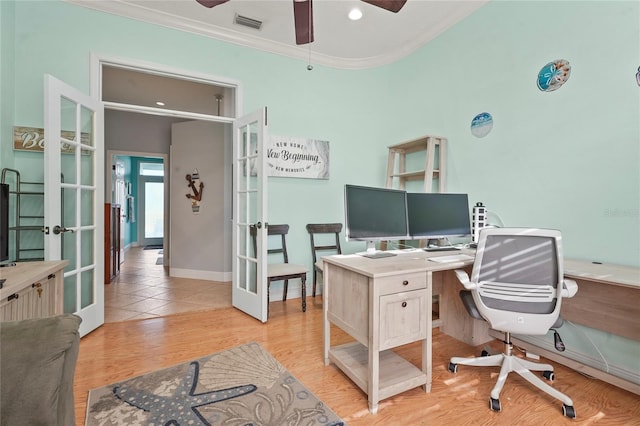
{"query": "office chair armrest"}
(569, 288)
(463, 277)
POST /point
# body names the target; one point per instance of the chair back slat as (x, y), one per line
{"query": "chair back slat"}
(315, 229)
(281, 230)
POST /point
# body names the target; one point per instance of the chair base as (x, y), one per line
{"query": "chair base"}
(509, 363)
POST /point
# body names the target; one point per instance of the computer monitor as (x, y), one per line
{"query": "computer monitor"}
(437, 215)
(374, 214)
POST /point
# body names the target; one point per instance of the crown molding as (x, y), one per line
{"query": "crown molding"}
(153, 16)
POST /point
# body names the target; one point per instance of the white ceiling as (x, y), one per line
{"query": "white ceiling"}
(380, 37)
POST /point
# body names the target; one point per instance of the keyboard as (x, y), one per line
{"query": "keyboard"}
(452, 258)
(444, 248)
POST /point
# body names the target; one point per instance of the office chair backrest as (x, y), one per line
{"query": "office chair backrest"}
(519, 275)
(319, 245)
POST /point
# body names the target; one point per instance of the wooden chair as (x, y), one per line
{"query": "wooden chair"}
(284, 271)
(321, 246)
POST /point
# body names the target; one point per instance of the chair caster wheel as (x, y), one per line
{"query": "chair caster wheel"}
(494, 404)
(453, 367)
(568, 411)
(547, 374)
(484, 353)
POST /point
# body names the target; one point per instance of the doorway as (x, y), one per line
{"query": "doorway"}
(153, 92)
(135, 100)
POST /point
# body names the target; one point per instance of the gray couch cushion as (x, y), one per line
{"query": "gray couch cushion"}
(37, 364)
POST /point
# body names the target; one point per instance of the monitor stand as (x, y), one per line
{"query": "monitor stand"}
(372, 253)
(437, 245)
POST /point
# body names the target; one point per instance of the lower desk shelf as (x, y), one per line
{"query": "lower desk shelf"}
(396, 374)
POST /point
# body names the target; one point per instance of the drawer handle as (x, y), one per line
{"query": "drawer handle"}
(404, 304)
(405, 282)
(38, 288)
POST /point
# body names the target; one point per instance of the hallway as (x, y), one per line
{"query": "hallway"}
(144, 289)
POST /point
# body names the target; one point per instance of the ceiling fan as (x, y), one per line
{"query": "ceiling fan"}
(303, 14)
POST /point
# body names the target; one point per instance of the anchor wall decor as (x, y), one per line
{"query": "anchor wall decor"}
(196, 187)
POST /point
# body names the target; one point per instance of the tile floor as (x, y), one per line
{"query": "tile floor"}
(144, 289)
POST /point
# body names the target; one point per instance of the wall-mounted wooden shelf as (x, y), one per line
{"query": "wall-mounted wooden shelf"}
(434, 171)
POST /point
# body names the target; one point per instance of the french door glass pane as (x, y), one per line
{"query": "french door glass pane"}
(70, 287)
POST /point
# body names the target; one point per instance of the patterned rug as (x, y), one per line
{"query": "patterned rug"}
(240, 386)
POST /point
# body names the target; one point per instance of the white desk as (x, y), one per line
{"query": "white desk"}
(382, 303)
(364, 297)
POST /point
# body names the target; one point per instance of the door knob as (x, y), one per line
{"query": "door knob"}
(58, 229)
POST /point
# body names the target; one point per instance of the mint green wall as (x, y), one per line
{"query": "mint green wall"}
(568, 159)
(347, 108)
(7, 28)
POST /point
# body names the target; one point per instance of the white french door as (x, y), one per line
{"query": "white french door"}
(249, 272)
(73, 197)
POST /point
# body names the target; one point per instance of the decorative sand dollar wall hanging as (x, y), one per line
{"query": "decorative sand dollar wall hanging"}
(553, 75)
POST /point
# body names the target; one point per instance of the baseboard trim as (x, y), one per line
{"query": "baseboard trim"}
(200, 275)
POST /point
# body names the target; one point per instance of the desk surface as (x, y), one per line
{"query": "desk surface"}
(602, 272)
(405, 261)
(418, 260)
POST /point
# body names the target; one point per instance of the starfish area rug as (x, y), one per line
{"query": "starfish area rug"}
(237, 387)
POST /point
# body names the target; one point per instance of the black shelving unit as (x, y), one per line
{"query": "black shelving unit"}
(26, 219)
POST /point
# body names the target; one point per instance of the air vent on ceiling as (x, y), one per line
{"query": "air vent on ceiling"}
(247, 22)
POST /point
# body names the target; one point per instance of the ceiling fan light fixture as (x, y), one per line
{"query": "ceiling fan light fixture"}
(355, 14)
(247, 22)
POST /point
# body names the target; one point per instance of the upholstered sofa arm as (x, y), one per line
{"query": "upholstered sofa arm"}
(37, 363)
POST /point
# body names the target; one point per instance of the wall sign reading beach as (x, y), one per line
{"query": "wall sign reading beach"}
(32, 139)
(296, 157)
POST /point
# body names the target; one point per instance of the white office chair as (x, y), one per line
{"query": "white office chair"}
(517, 285)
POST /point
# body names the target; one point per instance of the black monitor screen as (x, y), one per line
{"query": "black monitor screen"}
(374, 214)
(4, 222)
(436, 215)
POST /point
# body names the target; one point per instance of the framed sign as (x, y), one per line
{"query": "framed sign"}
(32, 139)
(297, 157)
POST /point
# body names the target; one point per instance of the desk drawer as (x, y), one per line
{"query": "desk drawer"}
(34, 301)
(401, 283)
(403, 318)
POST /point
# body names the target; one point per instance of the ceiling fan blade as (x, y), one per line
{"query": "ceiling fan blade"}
(390, 5)
(211, 3)
(303, 19)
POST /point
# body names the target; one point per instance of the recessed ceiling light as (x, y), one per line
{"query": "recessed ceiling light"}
(355, 14)
(159, 103)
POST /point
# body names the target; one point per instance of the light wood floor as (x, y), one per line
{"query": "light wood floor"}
(121, 350)
(144, 289)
